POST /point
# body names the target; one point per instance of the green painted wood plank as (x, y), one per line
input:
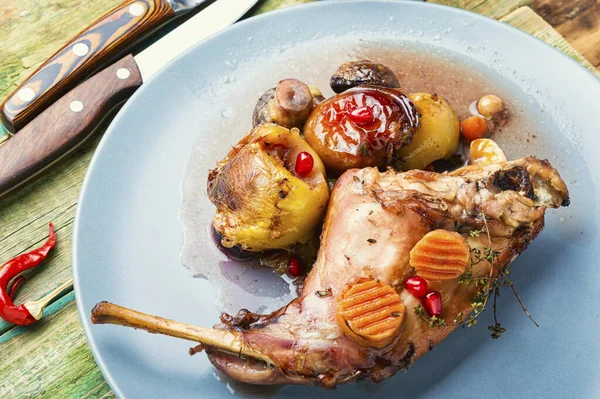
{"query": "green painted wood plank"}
(3, 134)
(31, 30)
(50, 359)
(9, 331)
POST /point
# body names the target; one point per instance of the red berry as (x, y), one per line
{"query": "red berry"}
(304, 164)
(362, 115)
(295, 268)
(433, 303)
(416, 286)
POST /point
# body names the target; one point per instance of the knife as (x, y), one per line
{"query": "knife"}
(71, 119)
(95, 47)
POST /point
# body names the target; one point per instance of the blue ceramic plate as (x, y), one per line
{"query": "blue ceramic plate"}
(128, 236)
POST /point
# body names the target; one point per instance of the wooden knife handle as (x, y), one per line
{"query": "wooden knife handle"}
(66, 123)
(96, 46)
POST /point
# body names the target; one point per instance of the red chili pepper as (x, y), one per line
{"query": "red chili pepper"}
(15, 287)
(8, 310)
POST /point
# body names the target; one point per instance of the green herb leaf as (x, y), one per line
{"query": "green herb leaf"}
(497, 330)
(466, 278)
(458, 317)
(363, 150)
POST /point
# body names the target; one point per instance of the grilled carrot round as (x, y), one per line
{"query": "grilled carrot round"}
(440, 255)
(370, 312)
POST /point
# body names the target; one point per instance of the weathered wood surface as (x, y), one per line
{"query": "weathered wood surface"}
(526, 19)
(578, 21)
(51, 359)
(493, 9)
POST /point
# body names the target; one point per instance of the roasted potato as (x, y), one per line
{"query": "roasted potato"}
(261, 203)
(437, 136)
(361, 127)
(484, 151)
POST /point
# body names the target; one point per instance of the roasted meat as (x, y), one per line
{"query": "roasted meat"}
(373, 221)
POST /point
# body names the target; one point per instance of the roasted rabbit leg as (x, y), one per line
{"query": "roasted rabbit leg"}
(373, 222)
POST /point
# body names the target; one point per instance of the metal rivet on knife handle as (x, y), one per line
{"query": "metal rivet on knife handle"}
(80, 49)
(137, 9)
(103, 40)
(76, 106)
(123, 73)
(26, 94)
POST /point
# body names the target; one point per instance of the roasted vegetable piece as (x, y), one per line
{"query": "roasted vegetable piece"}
(473, 128)
(261, 204)
(489, 105)
(361, 127)
(440, 255)
(370, 312)
(287, 105)
(359, 73)
(484, 151)
(493, 110)
(437, 136)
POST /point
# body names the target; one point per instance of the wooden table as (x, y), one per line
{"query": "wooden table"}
(51, 358)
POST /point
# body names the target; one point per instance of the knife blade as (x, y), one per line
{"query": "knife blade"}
(73, 118)
(95, 47)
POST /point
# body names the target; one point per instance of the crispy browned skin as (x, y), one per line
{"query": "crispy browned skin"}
(373, 221)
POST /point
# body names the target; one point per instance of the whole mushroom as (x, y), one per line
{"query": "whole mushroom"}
(364, 72)
(288, 104)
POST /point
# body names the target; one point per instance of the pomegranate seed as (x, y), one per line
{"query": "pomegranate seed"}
(362, 115)
(295, 268)
(433, 303)
(304, 164)
(417, 286)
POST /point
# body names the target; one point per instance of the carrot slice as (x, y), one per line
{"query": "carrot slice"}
(370, 312)
(440, 255)
(474, 127)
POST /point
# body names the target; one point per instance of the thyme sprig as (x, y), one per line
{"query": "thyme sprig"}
(432, 321)
(488, 285)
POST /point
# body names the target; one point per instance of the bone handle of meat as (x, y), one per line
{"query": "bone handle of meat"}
(226, 340)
